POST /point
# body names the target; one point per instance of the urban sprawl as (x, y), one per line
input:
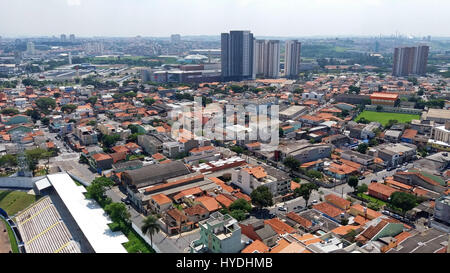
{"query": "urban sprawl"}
(99, 152)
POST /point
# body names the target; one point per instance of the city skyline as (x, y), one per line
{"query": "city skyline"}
(200, 17)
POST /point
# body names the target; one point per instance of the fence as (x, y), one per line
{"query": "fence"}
(13, 230)
(390, 109)
(146, 239)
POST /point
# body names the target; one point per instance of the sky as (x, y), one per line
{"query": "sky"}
(282, 18)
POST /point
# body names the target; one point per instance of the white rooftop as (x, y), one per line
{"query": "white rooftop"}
(89, 216)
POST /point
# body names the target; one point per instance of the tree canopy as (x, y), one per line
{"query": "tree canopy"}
(262, 197)
(403, 200)
(305, 191)
(46, 104)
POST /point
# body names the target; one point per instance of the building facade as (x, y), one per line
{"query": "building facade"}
(410, 60)
(292, 58)
(237, 55)
(267, 58)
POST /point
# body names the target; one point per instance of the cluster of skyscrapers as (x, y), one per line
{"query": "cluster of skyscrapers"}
(410, 60)
(243, 57)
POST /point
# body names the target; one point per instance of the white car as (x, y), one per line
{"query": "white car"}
(315, 202)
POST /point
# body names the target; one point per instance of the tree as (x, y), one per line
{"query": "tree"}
(373, 142)
(92, 100)
(354, 89)
(150, 227)
(33, 156)
(33, 113)
(149, 101)
(262, 197)
(237, 149)
(8, 160)
(305, 191)
(403, 200)
(314, 174)
(10, 111)
(238, 214)
(379, 108)
(109, 141)
(363, 188)
(69, 108)
(45, 121)
(353, 182)
(46, 104)
(98, 187)
(292, 163)
(118, 212)
(56, 95)
(391, 122)
(241, 204)
(362, 148)
(134, 129)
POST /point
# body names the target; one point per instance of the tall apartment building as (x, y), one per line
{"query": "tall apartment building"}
(72, 38)
(410, 60)
(63, 38)
(237, 55)
(30, 48)
(267, 58)
(292, 58)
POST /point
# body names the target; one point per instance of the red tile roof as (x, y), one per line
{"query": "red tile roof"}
(328, 209)
(300, 220)
(279, 226)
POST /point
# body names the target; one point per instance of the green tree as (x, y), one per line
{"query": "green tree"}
(10, 111)
(353, 182)
(110, 140)
(292, 163)
(150, 227)
(46, 105)
(68, 108)
(149, 101)
(118, 212)
(314, 174)
(34, 114)
(33, 156)
(8, 160)
(262, 197)
(96, 190)
(362, 148)
(363, 188)
(305, 191)
(237, 149)
(238, 214)
(45, 121)
(92, 100)
(241, 204)
(403, 200)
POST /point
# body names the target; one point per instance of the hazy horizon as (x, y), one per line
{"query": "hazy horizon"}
(265, 18)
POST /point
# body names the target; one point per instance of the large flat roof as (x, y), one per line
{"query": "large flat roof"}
(89, 216)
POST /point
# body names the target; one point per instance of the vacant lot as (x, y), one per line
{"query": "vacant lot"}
(15, 201)
(383, 117)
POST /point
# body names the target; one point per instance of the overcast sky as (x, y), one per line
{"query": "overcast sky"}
(211, 17)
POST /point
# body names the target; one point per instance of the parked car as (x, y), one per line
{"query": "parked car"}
(282, 208)
(315, 201)
(362, 177)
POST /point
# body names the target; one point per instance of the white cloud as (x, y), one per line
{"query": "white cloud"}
(73, 2)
